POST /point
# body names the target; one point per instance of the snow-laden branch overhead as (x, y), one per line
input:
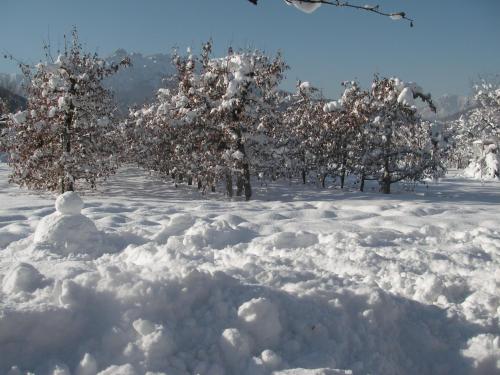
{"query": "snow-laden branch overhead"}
(310, 6)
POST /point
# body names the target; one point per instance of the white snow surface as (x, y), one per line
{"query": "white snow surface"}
(299, 281)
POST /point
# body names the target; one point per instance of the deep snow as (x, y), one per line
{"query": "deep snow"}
(298, 281)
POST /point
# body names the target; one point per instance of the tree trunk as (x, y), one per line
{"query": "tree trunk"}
(304, 176)
(342, 178)
(246, 182)
(386, 178)
(362, 183)
(229, 185)
(343, 169)
(239, 185)
(323, 180)
(66, 146)
(386, 186)
(190, 180)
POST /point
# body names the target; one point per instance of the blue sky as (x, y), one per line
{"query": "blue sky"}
(453, 41)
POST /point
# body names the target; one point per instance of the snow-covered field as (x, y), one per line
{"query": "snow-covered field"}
(179, 283)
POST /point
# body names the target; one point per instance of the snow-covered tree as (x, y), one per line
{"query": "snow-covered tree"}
(3, 122)
(244, 93)
(401, 145)
(215, 119)
(301, 138)
(346, 119)
(477, 133)
(175, 135)
(3, 108)
(68, 131)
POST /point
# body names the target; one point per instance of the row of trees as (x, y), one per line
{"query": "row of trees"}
(223, 120)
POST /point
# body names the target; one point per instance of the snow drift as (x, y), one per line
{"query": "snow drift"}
(305, 283)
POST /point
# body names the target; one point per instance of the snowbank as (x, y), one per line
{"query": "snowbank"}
(303, 284)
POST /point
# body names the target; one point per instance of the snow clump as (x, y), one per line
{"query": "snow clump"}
(23, 277)
(69, 203)
(304, 6)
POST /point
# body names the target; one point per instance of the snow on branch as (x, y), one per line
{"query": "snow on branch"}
(310, 6)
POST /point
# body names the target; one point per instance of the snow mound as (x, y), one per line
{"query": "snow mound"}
(236, 346)
(22, 278)
(216, 235)
(178, 223)
(67, 231)
(485, 350)
(260, 317)
(291, 240)
(69, 203)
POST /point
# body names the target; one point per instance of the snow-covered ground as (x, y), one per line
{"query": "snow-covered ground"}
(178, 283)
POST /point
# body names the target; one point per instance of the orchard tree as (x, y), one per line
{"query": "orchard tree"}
(217, 121)
(301, 136)
(3, 123)
(68, 131)
(243, 88)
(175, 135)
(346, 119)
(477, 132)
(401, 144)
(3, 109)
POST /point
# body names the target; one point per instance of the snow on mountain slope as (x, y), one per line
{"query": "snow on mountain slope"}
(295, 282)
(138, 83)
(447, 107)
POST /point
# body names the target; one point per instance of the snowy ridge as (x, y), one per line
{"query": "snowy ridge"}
(448, 106)
(138, 83)
(308, 282)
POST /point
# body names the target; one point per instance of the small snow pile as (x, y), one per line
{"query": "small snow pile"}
(177, 224)
(22, 278)
(236, 347)
(67, 230)
(485, 351)
(260, 317)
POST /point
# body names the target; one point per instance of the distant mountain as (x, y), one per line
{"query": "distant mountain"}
(447, 107)
(14, 102)
(138, 84)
